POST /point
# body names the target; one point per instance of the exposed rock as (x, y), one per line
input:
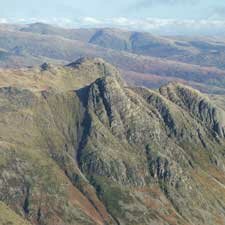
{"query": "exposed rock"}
(45, 66)
(110, 154)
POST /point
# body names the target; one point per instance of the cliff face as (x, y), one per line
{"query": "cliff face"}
(87, 149)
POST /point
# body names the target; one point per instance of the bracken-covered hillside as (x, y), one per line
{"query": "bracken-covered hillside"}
(78, 146)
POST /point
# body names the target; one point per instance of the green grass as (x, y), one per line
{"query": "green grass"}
(9, 217)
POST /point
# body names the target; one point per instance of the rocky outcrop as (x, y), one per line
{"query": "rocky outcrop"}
(198, 105)
(105, 153)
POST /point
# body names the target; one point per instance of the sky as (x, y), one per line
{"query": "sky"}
(157, 16)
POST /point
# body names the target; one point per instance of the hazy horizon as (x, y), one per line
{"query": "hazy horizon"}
(176, 17)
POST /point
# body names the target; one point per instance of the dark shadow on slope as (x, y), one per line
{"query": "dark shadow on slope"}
(83, 94)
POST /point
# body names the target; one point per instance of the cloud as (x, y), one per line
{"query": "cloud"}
(90, 21)
(150, 3)
(159, 26)
(3, 20)
(61, 21)
(167, 25)
(153, 25)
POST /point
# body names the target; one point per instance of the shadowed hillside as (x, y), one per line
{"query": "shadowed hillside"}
(78, 146)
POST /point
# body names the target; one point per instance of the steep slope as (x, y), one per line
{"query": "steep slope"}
(112, 38)
(168, 145)
(7, 216)
(98, 152)
(39, 189)
(198, 105)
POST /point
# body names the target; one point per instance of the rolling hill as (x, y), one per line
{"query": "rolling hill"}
(204, 51)
(162, 60)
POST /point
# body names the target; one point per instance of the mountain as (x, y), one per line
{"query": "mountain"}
(36, 43)
(204, 51)
(73, 34)
(79, 146)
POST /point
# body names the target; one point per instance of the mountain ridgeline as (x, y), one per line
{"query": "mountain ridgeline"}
(80, 146)
(142, 58)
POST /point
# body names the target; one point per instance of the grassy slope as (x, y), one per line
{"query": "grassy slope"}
(143, 151)
(181, 162)
(7, 216)
(43, 136)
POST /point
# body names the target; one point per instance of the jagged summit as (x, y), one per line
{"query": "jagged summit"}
(197, 104)
(88, 63)
(94, 151)
(81, 73)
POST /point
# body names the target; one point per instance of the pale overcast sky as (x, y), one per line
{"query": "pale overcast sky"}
(152, 15)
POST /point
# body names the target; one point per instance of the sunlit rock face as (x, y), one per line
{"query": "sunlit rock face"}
(79, 146)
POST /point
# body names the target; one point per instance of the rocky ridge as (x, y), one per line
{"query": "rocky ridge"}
(90, 150)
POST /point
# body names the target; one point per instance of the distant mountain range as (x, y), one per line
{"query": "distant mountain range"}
(143, 59)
